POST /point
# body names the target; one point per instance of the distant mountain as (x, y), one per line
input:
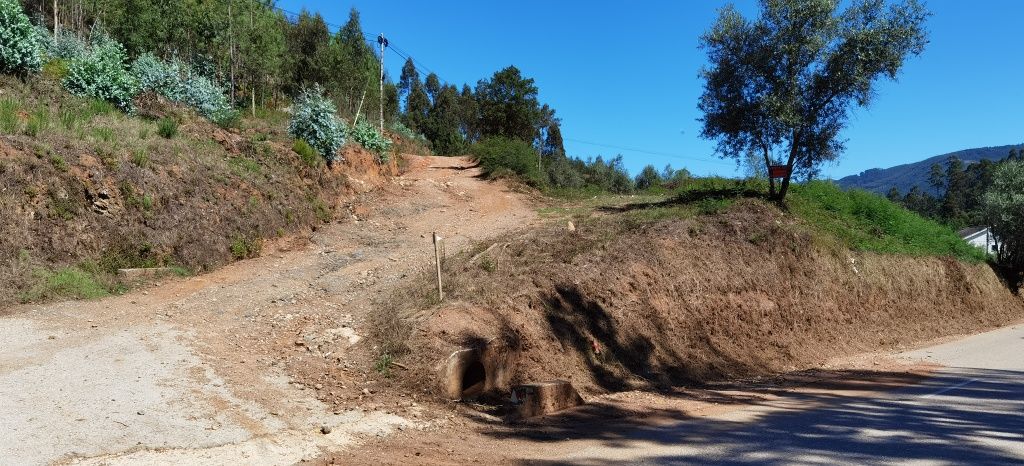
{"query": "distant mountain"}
(904, 177)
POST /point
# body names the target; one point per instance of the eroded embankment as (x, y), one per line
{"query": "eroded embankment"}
(745, 292)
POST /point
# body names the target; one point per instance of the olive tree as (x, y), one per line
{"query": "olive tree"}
(1004, 204)
(782, 85)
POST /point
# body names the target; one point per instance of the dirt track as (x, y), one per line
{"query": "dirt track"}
(252, 361)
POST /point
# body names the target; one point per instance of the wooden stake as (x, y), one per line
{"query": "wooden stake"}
(437, 262)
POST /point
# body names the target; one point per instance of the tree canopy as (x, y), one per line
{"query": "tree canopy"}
(782, 85)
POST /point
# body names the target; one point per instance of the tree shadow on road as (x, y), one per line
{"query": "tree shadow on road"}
(960, 416)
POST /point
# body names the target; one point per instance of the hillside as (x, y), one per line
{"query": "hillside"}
(906, 176)
(87, 190)
(711, 284)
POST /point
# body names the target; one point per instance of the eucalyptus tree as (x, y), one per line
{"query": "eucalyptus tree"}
(782, 85)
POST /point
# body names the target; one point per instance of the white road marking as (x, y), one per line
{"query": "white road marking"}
(953, 387)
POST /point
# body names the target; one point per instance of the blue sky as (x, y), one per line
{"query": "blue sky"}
(625, 74)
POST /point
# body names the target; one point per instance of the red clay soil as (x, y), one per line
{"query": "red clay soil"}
(735, 294)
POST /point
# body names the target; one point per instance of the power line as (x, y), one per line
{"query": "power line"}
(650, 152)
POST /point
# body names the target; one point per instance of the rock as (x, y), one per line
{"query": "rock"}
(141, 412)
(572, 226)
(325, 429)
(366, 391)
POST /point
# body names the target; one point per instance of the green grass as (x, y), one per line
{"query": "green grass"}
(68, 282)
(868, 222)
(243, 166)
(9, 123)
(167, 128)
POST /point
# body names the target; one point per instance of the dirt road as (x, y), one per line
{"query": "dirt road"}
(261, 362)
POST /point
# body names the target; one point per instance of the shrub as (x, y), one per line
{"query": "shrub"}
(314, 121)
(102, 73)
(62, 46)
(367, 136)
(179, 82)
(499, 156)
(19, 42)
(167, 128)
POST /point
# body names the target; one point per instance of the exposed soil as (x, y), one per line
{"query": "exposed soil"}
(615, 304)
(254, 357)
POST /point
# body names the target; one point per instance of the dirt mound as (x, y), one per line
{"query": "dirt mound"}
(615, 305)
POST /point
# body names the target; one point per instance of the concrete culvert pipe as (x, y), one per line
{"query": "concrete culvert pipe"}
(472, 372)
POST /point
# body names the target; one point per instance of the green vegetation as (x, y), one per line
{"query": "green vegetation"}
(792, 115)
(68, 282)
(102, 72)
(19, 43)
(245, 247)
(370, 138)
(1004, 203)
(307, 154)
(869, 222)
(9, 123)
(167, 127)
(500, 156)
(315, 122)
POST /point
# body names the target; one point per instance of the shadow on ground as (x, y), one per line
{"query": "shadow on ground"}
(959, 416)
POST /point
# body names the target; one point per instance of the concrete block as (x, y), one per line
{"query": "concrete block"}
(538, 399)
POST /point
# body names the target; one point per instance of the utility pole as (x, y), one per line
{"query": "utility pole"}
(383, 41)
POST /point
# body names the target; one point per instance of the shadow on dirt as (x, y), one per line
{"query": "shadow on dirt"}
(619, 361)
(981, 425)
(459, 168)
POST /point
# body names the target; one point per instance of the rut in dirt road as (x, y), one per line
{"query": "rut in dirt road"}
(254, 360)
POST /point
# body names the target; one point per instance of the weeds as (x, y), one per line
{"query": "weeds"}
(9, 123)
(167, 128)
(38, 122)
(69, 118)
(307, 154)
(68, 282)
(103, 134)
(140, 158)
(242, 166)
(244, 247)
(383, 364)
(58, 162)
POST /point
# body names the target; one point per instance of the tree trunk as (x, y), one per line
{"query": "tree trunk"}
(789, 168)
(768, 166)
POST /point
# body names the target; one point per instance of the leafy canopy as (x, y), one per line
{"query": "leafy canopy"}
(1004, 203)
(781, 86)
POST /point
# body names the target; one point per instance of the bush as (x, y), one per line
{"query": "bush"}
(62, 46)
(102, 73)
(314, 121)
(180, 83)
(19, 42)
(367, 136)
(499, 156)
(167, 128)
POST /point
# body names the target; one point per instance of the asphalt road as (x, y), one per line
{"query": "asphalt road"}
(969, 412)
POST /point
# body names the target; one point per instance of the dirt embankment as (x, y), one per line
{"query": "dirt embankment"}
(745, 292)
(87, 187)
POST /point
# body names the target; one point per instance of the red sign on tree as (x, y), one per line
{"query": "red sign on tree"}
(778, 171)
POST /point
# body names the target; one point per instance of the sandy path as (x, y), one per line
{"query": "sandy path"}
(247, 363)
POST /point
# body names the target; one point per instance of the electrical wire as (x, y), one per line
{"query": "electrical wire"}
(650, 152)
